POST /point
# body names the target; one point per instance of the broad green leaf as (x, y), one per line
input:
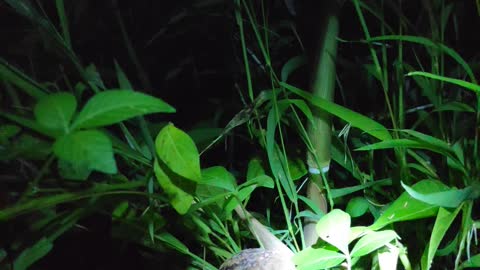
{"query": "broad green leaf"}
(113, 106)
(407, 208)
(178, 190)
(55, 111)
(442, 223)
(178, 151)
(89, 148)
(473, 262)
(388, 258)
(357, 120)
(218, 176)
(450, 198)
(334, 228)
(317, 258)
(357, 206)
(372, 241)
(32, 254)
(215, 181)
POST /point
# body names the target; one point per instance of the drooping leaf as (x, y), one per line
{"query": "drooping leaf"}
(113, 106)
(178, 151)
(334, 228)
(177, 189)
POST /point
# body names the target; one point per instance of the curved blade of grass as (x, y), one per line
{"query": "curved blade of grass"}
(429, 43)
(49, 201)
(357, 120)
(340, 192)
(468, 85)
(405, 143)
(22, 81)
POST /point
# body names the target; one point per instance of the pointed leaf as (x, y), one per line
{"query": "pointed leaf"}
(178, 151)
(113, 106)
(32, 254)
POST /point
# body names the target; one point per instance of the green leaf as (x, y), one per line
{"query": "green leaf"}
(276, 158)
(442, 223)
(405, 143)
(357, 206)
(291, 65)
(317, 258)
(407, 208)
(468, 85)
(372, 241)
(218, 176)
(334, 228)
(178, 151)
(55, 111)
(7, 132)
(357, 120)
(32, 254)
(449, 198)
(173, 242)
(340, 192)
(474, 262)
(255, 168)
(178, 190)
(113, 106)
(90, 148)
(19, 79)
(215, 180)
(430, 44)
